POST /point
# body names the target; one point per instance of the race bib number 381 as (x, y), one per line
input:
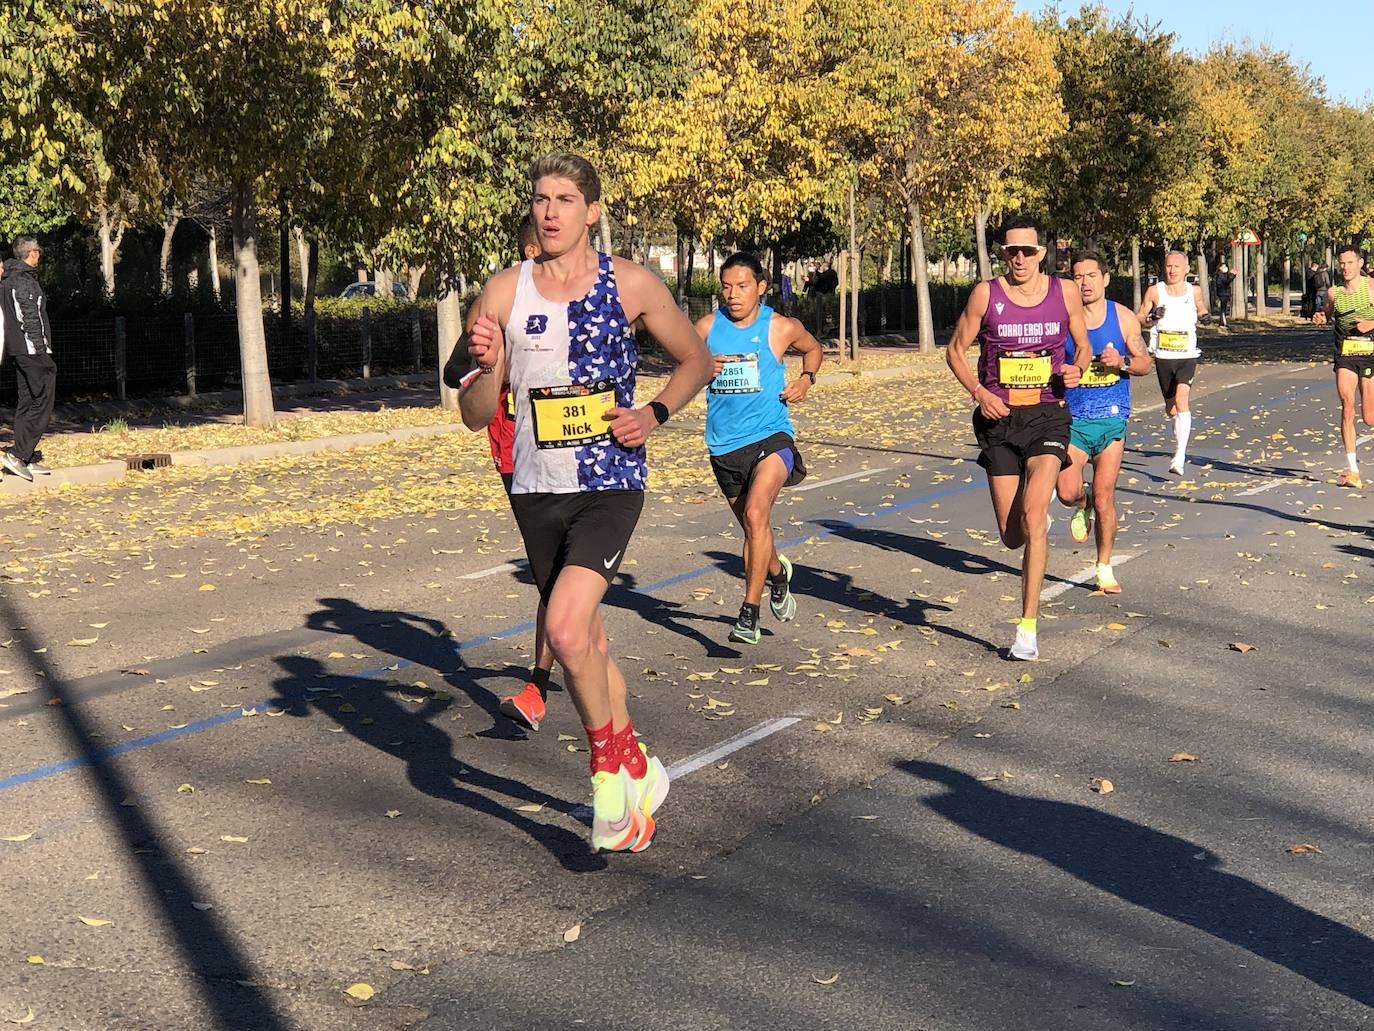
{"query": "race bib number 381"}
(739, 375)
(1175, 342)
(571, 416)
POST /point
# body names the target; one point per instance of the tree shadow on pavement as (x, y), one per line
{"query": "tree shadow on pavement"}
(673, 616)
(1160, 872)
(222, 972)
(384, 719)
(841, 589)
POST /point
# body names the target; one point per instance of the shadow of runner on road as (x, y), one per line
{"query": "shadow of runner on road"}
(1162, 873)
(222, 972)
(384, 720)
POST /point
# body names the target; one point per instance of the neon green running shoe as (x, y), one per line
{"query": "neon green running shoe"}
(780, 598)
(1081, 525)
(618, 825)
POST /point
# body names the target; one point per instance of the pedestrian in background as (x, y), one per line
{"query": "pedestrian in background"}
(28, 343)
(1223, 282)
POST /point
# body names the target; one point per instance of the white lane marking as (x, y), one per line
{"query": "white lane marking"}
(741, 740)
(504, 567)
(1078, 579)
(681, 768)
(841, 479)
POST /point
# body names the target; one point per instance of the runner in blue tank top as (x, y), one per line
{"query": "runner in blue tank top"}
(748, 429)
(1100, 406)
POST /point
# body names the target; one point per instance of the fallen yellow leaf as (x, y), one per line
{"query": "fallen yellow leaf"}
(572, 933)
(360, 991)
(18, 837)
(825, 980)
(81, 642)
(234, 838)
(95, 921)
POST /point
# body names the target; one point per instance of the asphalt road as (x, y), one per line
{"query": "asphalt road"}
(297, 781)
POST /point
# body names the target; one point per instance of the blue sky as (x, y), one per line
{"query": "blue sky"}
(1335, 41)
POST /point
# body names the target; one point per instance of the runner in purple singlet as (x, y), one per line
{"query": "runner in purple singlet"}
(1021, 321)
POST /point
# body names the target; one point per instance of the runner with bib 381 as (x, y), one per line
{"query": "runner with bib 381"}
(559, 330)
(1172, 310)
(748, 430)
(1021, 321)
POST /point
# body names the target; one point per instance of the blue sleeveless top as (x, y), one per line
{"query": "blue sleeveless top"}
(1102, 393)
(742, 403)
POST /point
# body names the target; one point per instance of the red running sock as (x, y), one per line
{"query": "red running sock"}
(605, 756)
(626, 746)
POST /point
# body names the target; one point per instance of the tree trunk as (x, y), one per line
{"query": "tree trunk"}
(1238, 287)
(310, 269)
(171, 217)
(1287, 282)
(681, 268)
(925, 331)
(980, 234)
(887, 264)
(214, 260)
(1135, 273)
(449, 312)
(284, 260)
(1260, 292)
(362, 275)
(691, 264)
(605, 232)
(382, 279)
(110, 237)
(1203, 280)
(413, 276)
(302, 257)
(257, 381)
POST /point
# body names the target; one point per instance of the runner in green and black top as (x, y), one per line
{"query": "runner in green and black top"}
(1349, 310)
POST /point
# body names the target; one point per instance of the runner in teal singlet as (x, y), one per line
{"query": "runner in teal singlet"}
(1100, 406)
(748, 430)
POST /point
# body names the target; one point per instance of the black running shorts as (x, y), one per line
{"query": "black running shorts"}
(591, 529)
(1029, 430)
(1361, 365)
(1174, 373)
(735, 469)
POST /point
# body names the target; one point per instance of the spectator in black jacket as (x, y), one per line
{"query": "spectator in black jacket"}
(28, 343)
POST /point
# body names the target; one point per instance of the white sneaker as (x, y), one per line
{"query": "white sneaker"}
(1176, 466)
(1025, 647)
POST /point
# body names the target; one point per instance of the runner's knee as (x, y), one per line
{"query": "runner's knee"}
(569, 639)
(758, 515)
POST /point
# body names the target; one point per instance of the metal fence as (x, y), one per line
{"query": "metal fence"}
(155, 355)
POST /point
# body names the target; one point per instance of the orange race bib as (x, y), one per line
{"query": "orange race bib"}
(1024, 374)
(571, 416)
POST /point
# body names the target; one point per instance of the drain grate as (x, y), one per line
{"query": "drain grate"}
(137, 463)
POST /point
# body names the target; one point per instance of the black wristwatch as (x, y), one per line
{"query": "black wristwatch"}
(812, 375)
(660, 411)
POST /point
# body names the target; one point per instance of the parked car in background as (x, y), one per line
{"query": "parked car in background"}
(356, 290)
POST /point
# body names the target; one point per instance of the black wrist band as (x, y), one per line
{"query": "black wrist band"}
(660, 411)
(810, 375)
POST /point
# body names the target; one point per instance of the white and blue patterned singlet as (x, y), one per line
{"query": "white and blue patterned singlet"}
(568, 362)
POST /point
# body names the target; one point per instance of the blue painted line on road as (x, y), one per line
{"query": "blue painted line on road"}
(148, 741)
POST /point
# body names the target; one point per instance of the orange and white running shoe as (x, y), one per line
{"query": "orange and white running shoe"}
(526, 708)
(1350, 478)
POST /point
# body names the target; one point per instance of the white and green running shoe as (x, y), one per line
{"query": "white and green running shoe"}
(1081, 525)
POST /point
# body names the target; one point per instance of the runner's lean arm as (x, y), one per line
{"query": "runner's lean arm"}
(965, 333)
(673, 331)
(1135, 344)
(792, 334)
(1202, 313)
(1078, 326)
(1147, 304)
(487, 346)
